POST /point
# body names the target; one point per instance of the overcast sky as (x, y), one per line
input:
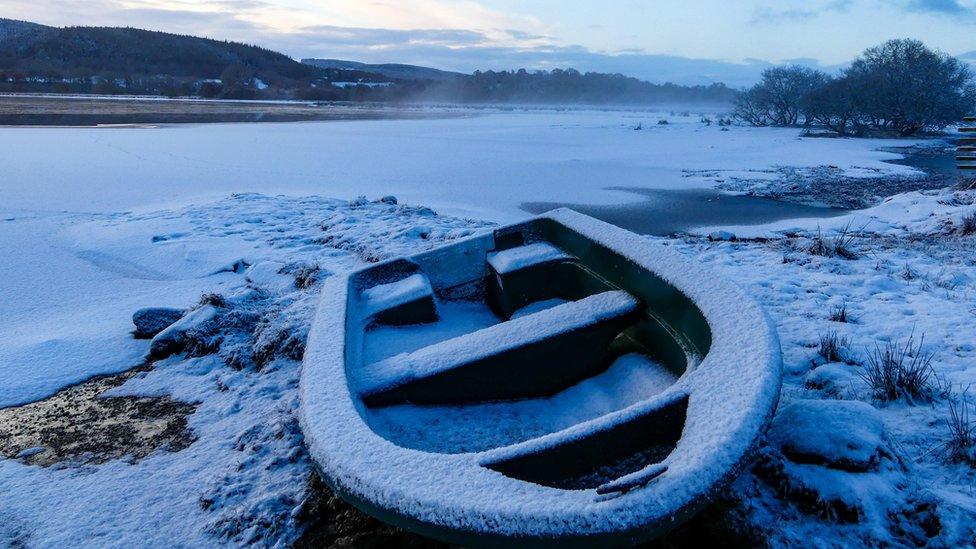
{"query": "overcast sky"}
(687, 41)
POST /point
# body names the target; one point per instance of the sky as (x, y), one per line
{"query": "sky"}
(684, 41)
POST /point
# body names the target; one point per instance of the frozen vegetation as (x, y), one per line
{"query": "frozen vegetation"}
(121, 220)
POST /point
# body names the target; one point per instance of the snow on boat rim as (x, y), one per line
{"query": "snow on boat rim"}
(729, 398)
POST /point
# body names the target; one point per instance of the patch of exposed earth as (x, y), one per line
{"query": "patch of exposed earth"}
(80, 426)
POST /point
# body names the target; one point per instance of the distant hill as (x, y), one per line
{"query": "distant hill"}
(391, 70)
(11, 28)
(122, 60)
(126, 52)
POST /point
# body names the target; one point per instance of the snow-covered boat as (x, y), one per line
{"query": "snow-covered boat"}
(555, 381)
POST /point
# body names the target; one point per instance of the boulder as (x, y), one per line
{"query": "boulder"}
(830, 458)
(174, 338)
(152, 320)
(840, 434)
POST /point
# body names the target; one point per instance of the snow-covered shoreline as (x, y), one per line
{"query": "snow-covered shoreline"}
(78, 265)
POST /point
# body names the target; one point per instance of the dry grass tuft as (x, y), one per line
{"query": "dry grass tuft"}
(961, 446)
(895, 370)
(833, 347)
(839, 314)
(840, 245)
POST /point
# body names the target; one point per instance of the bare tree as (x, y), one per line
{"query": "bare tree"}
(752, 107)
(836, 105)
(906, 87)
(778, 99)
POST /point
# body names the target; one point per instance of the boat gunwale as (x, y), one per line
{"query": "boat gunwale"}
(564, 518)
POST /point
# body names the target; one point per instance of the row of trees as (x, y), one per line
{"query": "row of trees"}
(569, 86)
(900, 86)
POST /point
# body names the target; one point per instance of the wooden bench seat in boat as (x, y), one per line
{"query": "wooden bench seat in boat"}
(538, 271)
(522, 257)
(531, 356)
(409, 300)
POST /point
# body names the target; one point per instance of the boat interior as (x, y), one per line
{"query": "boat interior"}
(532, 332)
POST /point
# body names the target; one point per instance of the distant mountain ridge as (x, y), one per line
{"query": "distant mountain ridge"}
(392, 70)
(10, 28)
(83, 51)
(122, 60)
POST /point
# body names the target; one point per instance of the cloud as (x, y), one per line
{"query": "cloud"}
(526, 36)
(371, 38)
(459, 35)
(950, 7)
(215, 24)
(485, 56)
(805, 13)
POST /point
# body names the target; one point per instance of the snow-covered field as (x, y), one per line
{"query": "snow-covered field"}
(96, 223)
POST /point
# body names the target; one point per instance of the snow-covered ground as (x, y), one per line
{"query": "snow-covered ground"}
(96, 223)
(913, 279)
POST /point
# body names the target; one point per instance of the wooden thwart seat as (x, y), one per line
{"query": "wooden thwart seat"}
(539, 271)
(535, 355)
(523, 257)
(409, 300)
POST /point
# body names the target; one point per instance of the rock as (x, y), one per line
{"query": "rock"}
(721, 236)
(815, 490)
(388, 199)
(846, 435)
(174, 339)
(152, 320)
(833, 378)
(830, 458)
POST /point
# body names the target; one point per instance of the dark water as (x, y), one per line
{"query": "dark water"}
(664, 212)
(943, 162)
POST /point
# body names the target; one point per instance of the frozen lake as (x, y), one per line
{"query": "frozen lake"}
(484, 166)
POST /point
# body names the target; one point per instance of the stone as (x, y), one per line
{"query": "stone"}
(840, 434)
(174, 338)
(152, 320)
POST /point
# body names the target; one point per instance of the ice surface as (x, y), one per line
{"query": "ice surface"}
(483, 166)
